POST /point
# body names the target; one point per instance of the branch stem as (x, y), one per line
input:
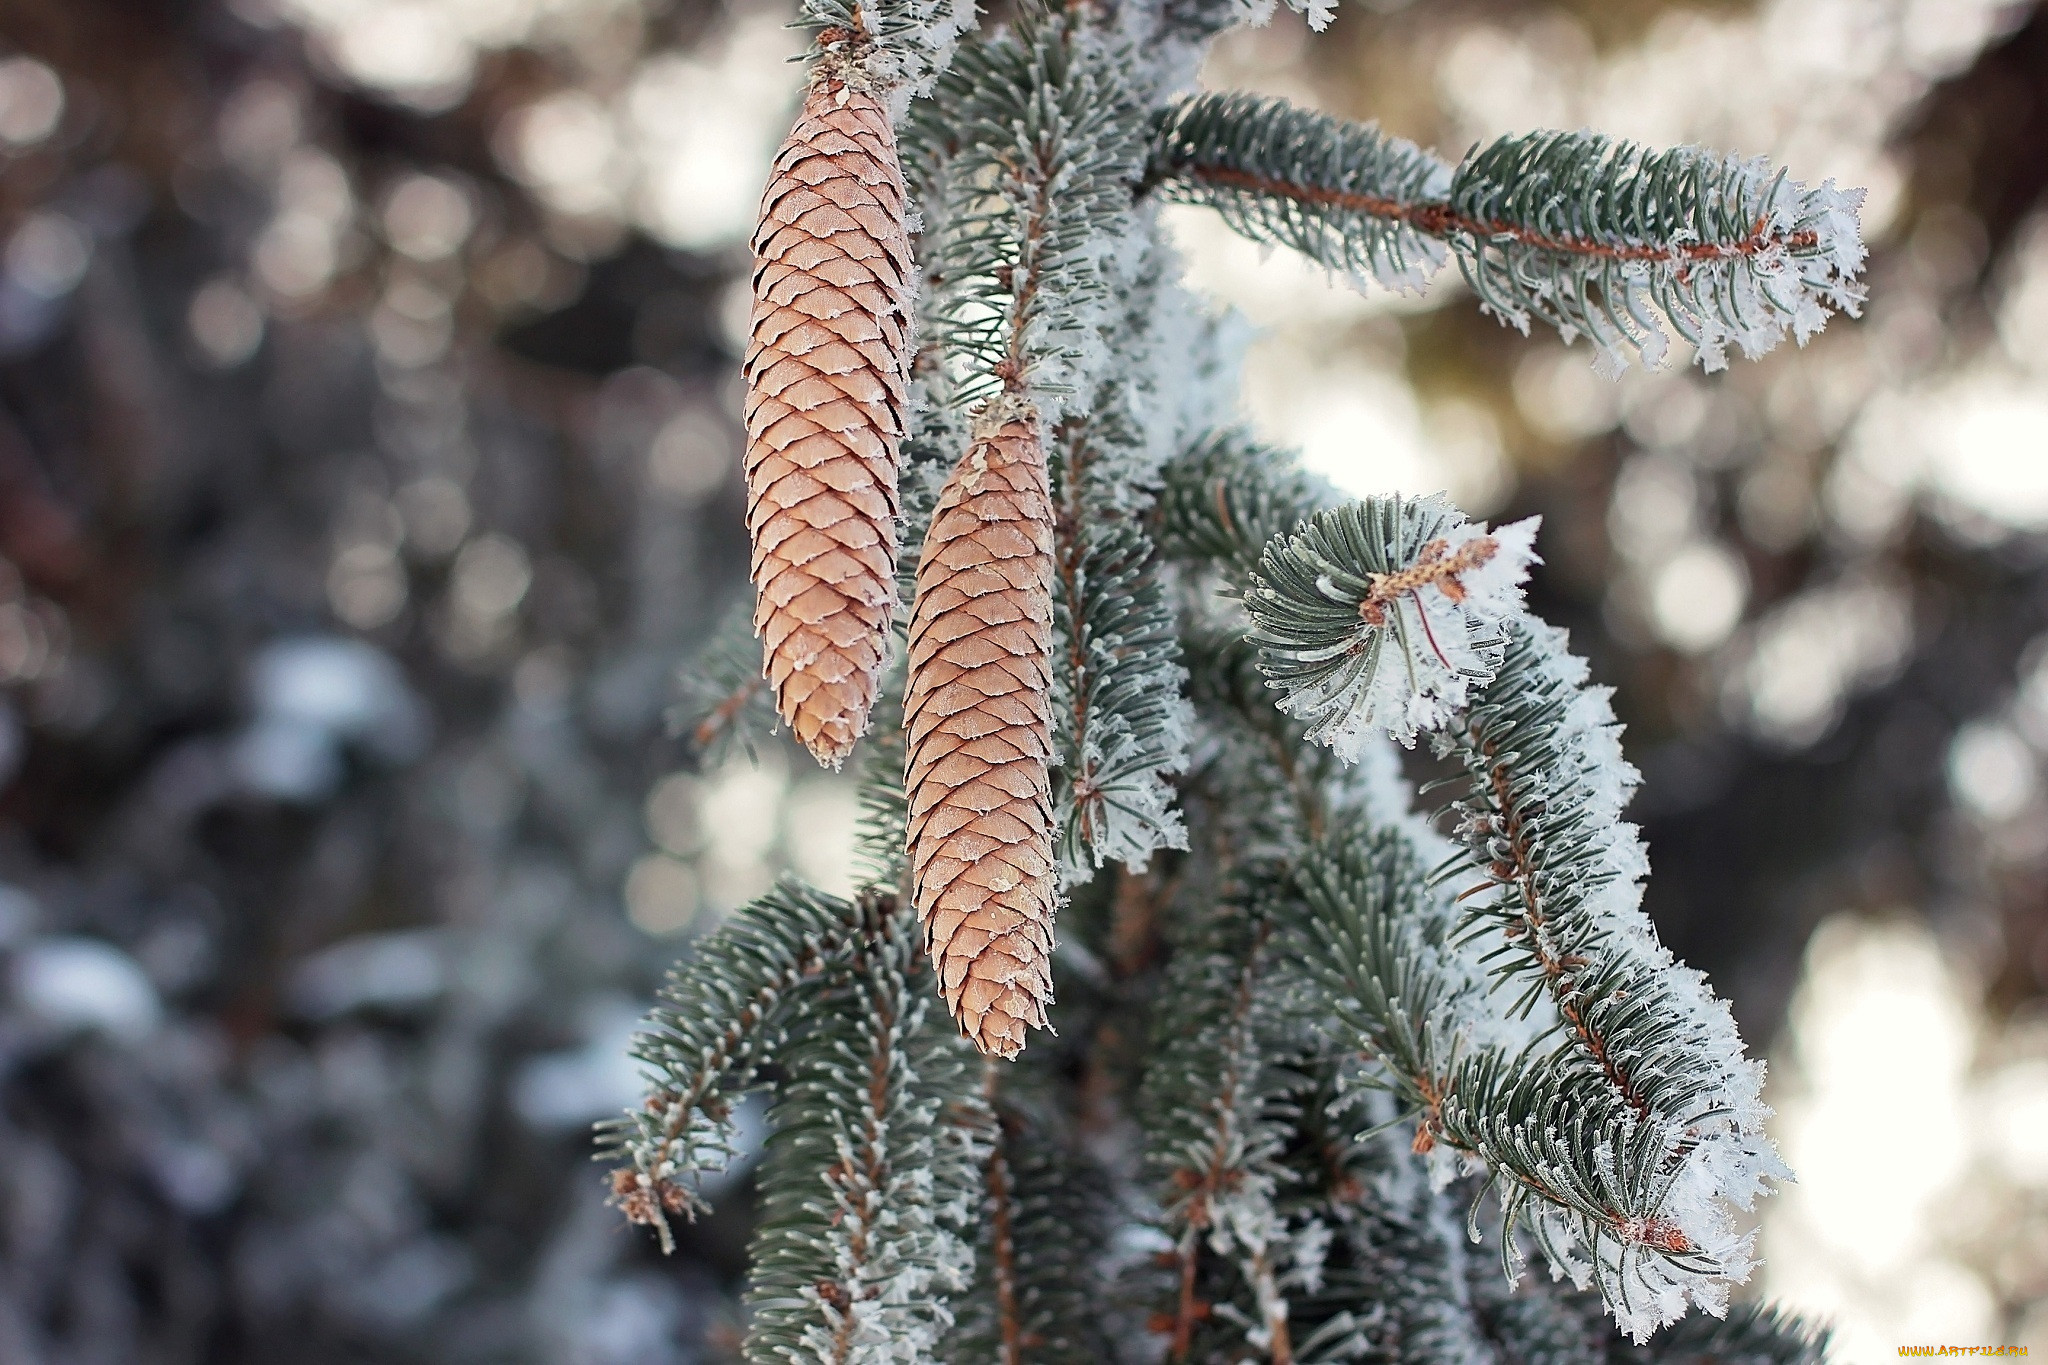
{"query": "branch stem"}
(1436, 218)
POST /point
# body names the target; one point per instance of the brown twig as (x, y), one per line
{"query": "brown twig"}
(727, 710)
(1068, 515)
(1518, 870)
(1205, 1184)
(645, 1198)
(1438, 219)
(1437, 564)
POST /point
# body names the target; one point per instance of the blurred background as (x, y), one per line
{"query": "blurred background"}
(368, 454)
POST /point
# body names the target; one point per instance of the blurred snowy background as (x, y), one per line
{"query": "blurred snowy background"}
(367, 470)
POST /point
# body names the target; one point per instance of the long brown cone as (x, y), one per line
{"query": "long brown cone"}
(825, 377)
(978, 718)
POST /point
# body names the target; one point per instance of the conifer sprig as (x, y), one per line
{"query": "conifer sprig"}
(1120, 719)
(1558, 893)
(870, 1187)
(1571, 1160)
(1383, 614)
(1048, 148)
(893, 44)
(1597, 237)
(1213, 1111)
(1228, 497)
(714, 1026)
(1346, 195)
(1044, 1228)
(724, 705)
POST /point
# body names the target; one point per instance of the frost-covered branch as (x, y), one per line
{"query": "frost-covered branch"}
(1120, 694)
(873, 1179)
(1044, 1231)
(1229, 496)
(1035, 196)
(1590, 234)
(900, 45)
(1612, 1199)
(1599, 238)
(1213, 1129)
(724, 705)
(721, 1015)
(1560, 896)
(1383, 614)
(1122, 721)
(1346, 195)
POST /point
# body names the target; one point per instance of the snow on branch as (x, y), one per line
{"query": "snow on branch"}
(724, 705)
(874, 1178)
(1558, 902)
(1228, 495)
(1337, 192)
(1045, 1225)
(1037, 200)
(1600, 238)
(1613, 1199)
(1208, 1107)
(722, 1014)
(1383, 614)
(1120, 720)
(899, 45)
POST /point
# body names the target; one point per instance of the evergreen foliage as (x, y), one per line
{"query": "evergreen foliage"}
(1352, 211)
(725, 707)
(1599, 238)
(1316, 1074)
(873, 1183)
(1383, 614)
(1120, 720)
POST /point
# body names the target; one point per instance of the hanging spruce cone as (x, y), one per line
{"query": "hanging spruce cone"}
(825, 370)
(978, 718)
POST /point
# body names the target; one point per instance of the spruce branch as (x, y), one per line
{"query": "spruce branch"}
(1597, 237)
(1044, 1232)
(1049, 149)
(1383, 614)
(1571, 1159)
(1589, 234)
(724, 706)
(1560, 885)
(722, 1014)
(882, 835)
(1279, 786)
(1214, 1110)
(1378, 946)
(1751, 1334)
(1345, 195)
(1227, 496)
(1121, 719)
(1414, 1276)
(891, 45)
(873, 1176)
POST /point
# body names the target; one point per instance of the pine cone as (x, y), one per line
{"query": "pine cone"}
(978, 719)
(826, 369)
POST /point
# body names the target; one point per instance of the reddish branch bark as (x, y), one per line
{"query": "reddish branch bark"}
(1438, 219)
